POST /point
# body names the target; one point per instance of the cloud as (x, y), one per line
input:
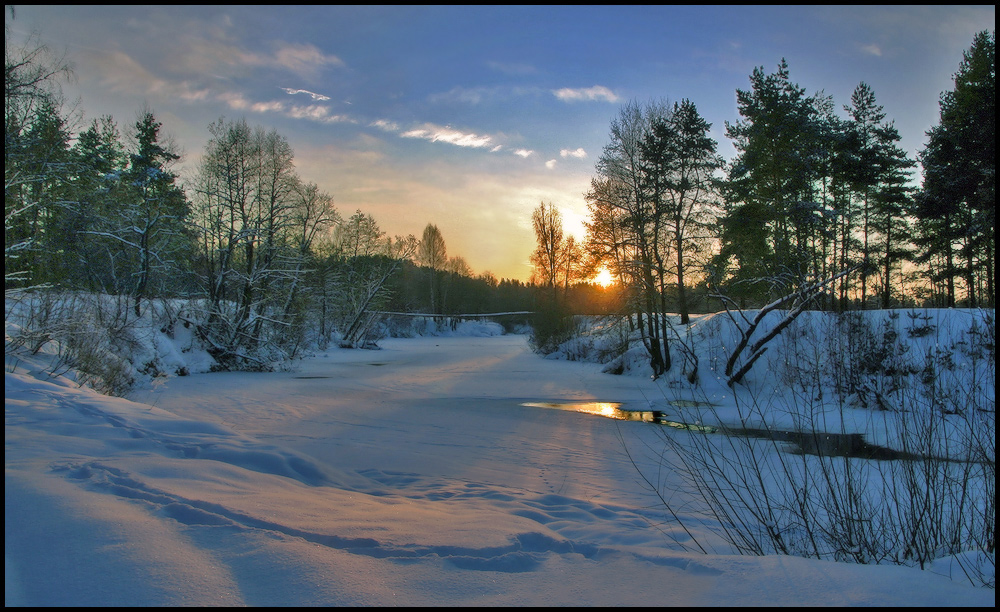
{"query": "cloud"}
(578, 153)
(209, 56)
(121, 73)
(234, 101)
(267, 107)
(385, 125)
(305, 60)
(435, 133)
(315, 96)
(524, 152)
(312, 112)
(550, 164)
(597, 92)
(315, 112)
(872, 49)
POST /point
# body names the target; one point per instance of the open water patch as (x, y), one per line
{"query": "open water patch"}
(614, 410)
(822, 444)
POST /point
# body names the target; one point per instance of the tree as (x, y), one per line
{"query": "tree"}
(99, 159)
(248, 198)
(552, 323)
(771, 214)
(549, 245)
(955, 209)
(37, 202)
(432, 254)
(628, 221)
(680, 160)
(364, 262)
(151, 219)
(314, 214)
(36, 164)
(877, 173)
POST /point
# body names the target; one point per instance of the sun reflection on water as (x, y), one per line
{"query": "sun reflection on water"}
(612, 410)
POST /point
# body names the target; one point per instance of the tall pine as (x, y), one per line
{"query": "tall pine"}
(771, 211)
(955, 209)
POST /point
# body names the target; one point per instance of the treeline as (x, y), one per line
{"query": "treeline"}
(816, 205)
(265, 258)
(809, 194)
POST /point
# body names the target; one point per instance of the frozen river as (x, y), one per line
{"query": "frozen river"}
(411, 475)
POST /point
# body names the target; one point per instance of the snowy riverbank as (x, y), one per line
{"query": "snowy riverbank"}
(410, 475)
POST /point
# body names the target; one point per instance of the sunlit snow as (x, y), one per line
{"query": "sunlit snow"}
(429, 472)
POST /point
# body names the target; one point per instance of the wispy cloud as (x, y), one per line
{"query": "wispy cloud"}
(314, 96)
(267, 107)
(235, 101)
(524, 152)
(872, 49)
(213, 56)
(312, 112)
(385, 125)
(578, 153)
(597, 92)
(315, 112)
(238, 102)
(121, 73)
(436, 133)
(303, 59)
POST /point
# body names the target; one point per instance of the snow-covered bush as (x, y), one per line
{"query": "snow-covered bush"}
(98, 340)
(926, 494)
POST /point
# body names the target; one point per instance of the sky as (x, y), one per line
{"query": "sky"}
(470, 117)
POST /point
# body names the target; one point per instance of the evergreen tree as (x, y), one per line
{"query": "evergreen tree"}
(955, 209)
(35, 157)
(681, 159)
(39, 201)
(877, 173)
(99, 160)
(155, 221)
(771, 213)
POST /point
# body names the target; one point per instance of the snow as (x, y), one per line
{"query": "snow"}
(411, 475)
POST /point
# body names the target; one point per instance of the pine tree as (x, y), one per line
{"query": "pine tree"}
(770, 216)
(955, 209)
(680, 160)
(877, 173)
(152, 220)
(99, 160)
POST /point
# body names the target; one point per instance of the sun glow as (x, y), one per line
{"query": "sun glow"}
(604, 278)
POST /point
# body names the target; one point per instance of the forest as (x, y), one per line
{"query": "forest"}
(817, 210)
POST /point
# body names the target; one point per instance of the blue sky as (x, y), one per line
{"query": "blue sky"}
(469, 117)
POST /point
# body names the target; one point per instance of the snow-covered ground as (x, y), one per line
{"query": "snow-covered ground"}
(411, 475)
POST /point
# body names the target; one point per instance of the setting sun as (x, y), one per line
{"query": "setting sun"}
(604, 278)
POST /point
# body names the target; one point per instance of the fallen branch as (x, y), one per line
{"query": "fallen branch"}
(802, 297)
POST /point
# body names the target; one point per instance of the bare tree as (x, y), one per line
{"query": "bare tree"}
(432, 253)
(35, 163)
(248, 200)
(626, 197)
(550, 244)
(360, 277)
